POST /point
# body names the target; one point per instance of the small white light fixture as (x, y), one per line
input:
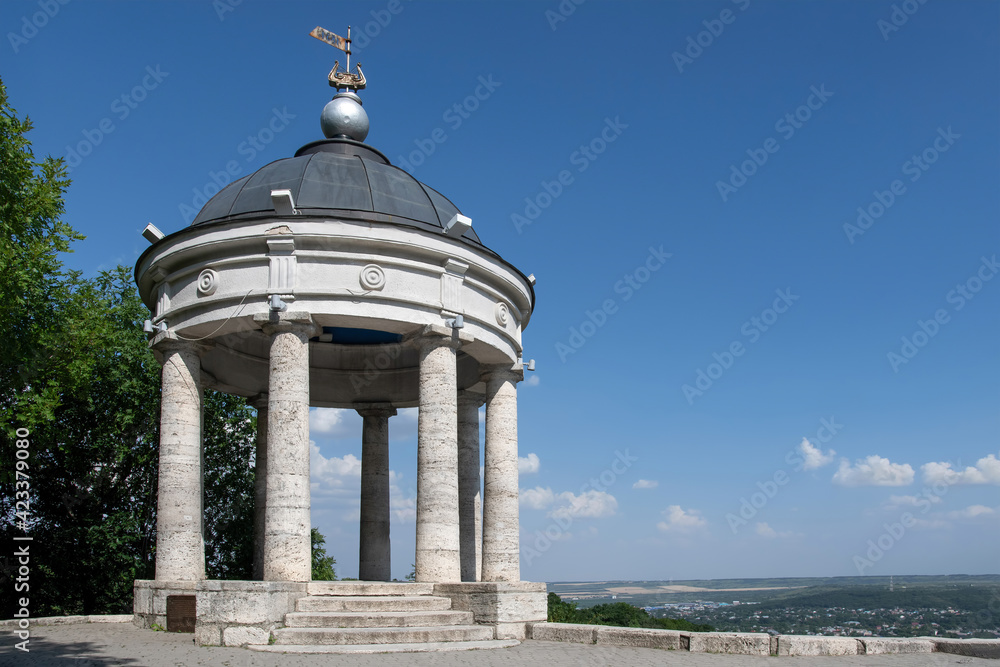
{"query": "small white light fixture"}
(531, 364)
(277, 305)
(456, 322)
(150, 328)
(151, 233)
(283, 202)
(458, 225)
(531, 279)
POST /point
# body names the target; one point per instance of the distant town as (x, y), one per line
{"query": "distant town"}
(947, 606)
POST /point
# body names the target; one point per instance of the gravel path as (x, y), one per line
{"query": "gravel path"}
(98, 644)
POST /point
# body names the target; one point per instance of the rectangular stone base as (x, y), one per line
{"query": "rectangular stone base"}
(241, 613)
(229, 613)
(507, 605)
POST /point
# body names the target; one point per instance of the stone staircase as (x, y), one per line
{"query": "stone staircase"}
(389, 617)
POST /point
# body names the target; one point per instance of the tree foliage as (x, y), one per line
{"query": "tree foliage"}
(77, 373)
(322, 565)
(620, 614)
(230, 438)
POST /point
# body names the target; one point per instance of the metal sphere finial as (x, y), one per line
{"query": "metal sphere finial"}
(343, 116)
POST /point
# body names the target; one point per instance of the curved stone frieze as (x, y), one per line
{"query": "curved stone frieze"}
(342, 281)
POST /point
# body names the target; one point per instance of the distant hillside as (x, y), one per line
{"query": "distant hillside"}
(939, 591)
(965, 597)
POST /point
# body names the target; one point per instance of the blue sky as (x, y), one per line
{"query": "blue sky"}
(765, 355)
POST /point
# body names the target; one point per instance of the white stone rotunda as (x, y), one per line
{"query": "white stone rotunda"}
(334, 279)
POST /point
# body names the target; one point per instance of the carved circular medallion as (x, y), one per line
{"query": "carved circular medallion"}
(502, 312)
(208, 282)
(372, 277)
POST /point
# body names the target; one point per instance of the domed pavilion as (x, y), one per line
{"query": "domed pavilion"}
(334, 279)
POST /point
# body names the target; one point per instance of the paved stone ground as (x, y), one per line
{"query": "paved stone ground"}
(100, 645)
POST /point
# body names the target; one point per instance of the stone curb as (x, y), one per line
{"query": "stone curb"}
(68, 620)
(746, 643)
(973, 648)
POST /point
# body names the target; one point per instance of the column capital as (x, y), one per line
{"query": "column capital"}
(167, 342)
(438, 335)
(469, 397)
(298, 321)
(375, 409)
(513, 373)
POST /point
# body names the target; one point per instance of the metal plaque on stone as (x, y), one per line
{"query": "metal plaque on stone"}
(181, 613)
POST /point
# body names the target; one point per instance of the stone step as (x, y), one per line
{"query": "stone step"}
(372, 603)
(361, 588)
(386, 648)
(383, 619)
(356, 636)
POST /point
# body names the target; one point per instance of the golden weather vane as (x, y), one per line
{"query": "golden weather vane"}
(337, 78)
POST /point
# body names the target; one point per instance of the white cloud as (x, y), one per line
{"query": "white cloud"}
(924, 501)
(403, 508)
(765, 530)
(873, 471)
(533, 380)
(527, 465)
(404, 425)
(343, 424)
(681, 520)
(537, 498)
(337, 480)
(588, 505)
(972, 512)
(328, 422)
(334, 471)
(646, 484)
(986, 471)
(814, 456)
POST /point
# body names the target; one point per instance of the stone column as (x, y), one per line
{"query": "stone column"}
(470, 528)
(287, 548)
(501, 561)
(437, 557)
(259, 486)
(374, 561)
(180, 546)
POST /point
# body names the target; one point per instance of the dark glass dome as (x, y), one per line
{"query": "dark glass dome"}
(339, 177)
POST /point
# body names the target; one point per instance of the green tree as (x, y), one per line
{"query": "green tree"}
(77, 373)
(561, 612)
(620, 614)
(92, 465)
(230, 438)
(322, 565)
(34, 290)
